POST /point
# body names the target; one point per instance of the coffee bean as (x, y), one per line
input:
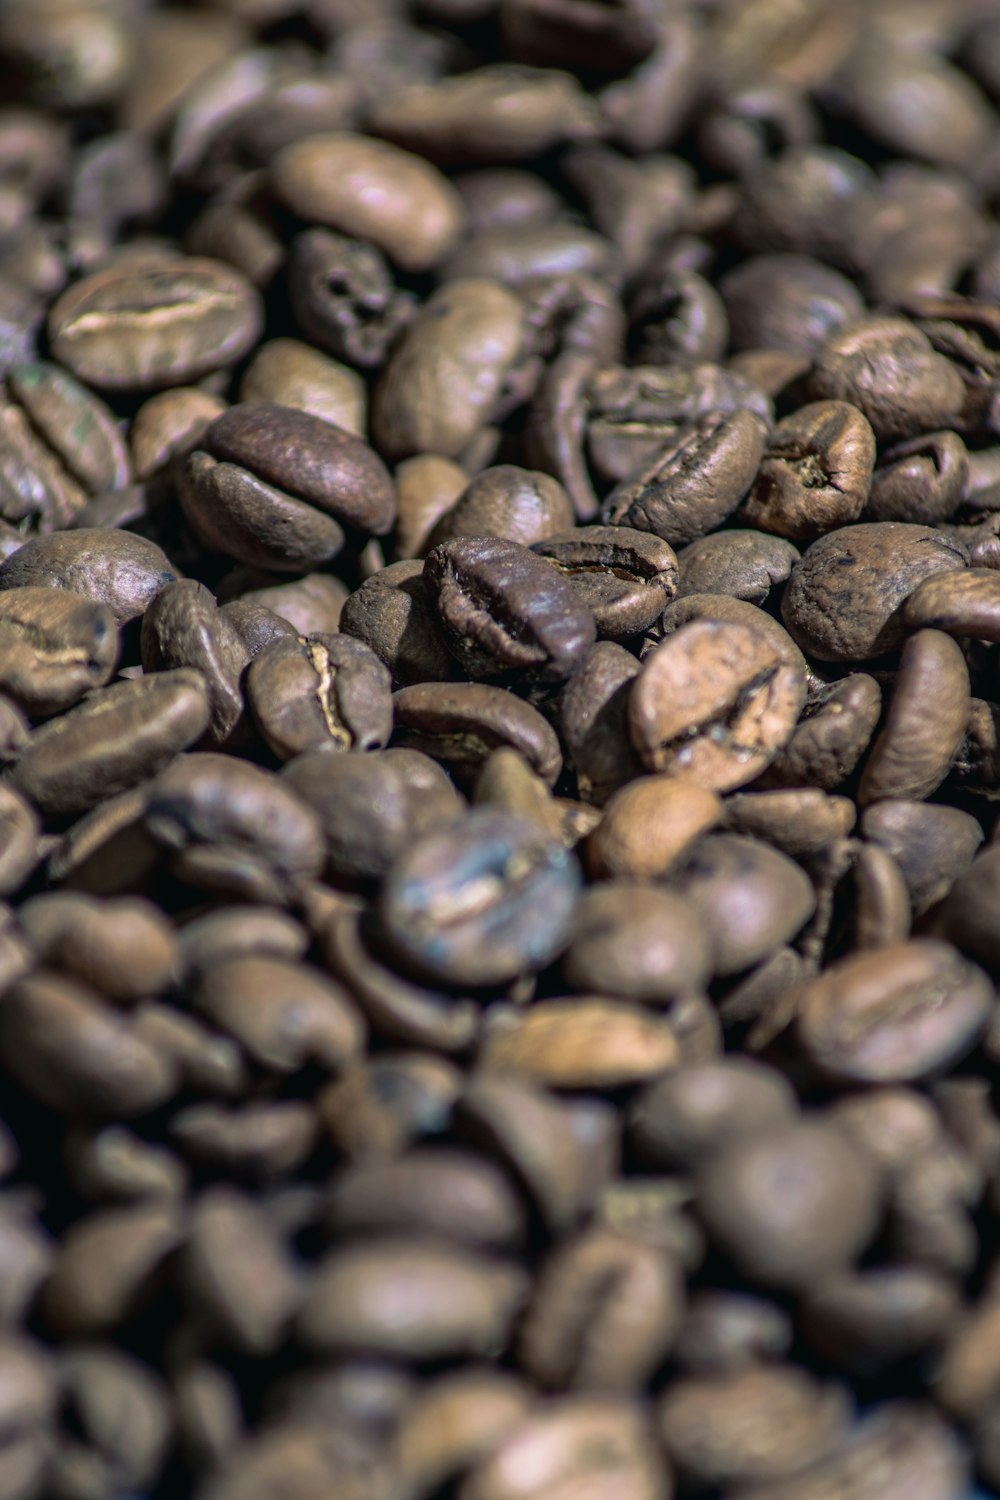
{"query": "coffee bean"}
(741, 564)
(370, 189)
(756, 1426)
(920, 480)
(890, 371)
(458, 1302)
(480, 901)
(625, 577)
(230, 826)
(898, 1014)
(722, 728)
(165, 322)
(237, 1272)
(506, 611)
(372, 807)
(791, 1204)
(112, 741)
(696, 484)
(344, 299)
(289, 373)
(815, 473)
(842, 602)
(518, 504)
(455, 1420)
(963, 605)
(393, 613)
(66, 1047)
(836, 727)
(283, 1015)
(787, 302)
(320, 692)
(461, 724)
(56, 646)
(932, 845)
(124, 949)
(581, 1043)
(648, 825)
(866, 1321)
(724, 1332)
(397, 1007)
(931, 693)
(593, 722)
(688, 1117)
(115, 568)
(446, 375)
(638, 942)
(582, 1440)
(605, 1313)
(437, 1192)
(182, 627)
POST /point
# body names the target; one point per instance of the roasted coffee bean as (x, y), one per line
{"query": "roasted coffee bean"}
(648, 826)
(458, 1301)
(461, 724)
(625, 577)
(754, 1426)
(371, 190)
(696, 484)
(724, 1332)
(921, 480)
(802, 823)
(455, 1420)
(20, 827)
(115, 568)
(720, 728)
(162, 321)
(61, 445)
(866, 1321)
(238, 1274)
(274, 486)
(791, 1204)
(517, 504)
(967, 605)
(320, 692)
(182, 627)
(741, 564)
(931, 694)
(167, 427)
(372, 807)
(816, 472)
(843, 600)
(931, 844)
(889, 370)
(124, 949)
(481, 901)
(283, 1015)
(582, 1042)
(230, 826)
(115, 739)
(593, 722)
(787, 302)
(638, 942)
(446, 376)
(605, 1313)
(289, 373)
(750, 898)
(438, 1192)
(393, 613)
(834, 732)
(686, 1118)
(505, 611)
(736, 611)
(69, 1050)
(54, 647)
(898, 1014)
(344, 299)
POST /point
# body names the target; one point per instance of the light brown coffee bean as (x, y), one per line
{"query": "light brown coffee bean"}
(714, 703)
(648, 825)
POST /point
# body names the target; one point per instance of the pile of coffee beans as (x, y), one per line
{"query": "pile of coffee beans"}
(499, 749)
